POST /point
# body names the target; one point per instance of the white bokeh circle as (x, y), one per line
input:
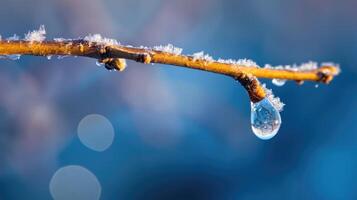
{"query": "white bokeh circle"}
(96, 132)
(74, 182)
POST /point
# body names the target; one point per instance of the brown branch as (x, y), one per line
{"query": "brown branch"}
(112, 56)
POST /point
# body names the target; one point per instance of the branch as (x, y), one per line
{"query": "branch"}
(112, 56)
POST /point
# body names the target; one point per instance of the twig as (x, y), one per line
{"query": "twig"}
(112, 56)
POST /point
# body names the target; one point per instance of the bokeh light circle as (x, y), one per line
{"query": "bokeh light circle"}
(96, 132)
(74, 182)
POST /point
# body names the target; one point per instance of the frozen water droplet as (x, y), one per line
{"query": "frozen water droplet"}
(278, 82)
(265, 119)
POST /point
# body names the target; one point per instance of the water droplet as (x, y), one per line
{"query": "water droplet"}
(49, 57)
(265, 119)
(74, 182)
(278, 82)
(316, 86)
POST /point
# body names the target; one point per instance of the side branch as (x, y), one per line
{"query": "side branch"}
(112, 56)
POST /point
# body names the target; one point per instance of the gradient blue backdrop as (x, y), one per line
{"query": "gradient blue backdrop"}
(182, 134)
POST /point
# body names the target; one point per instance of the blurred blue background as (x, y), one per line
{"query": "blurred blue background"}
(179, 133)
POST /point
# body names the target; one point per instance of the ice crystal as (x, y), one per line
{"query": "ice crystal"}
(36, 35)
(58, 39)
(98, 39)
(11, 57)
(141, 47)
(303, 67)
(62, 56)
(337, 66)
(242, 62)
(268, 66)
(13, 38)
(307, 66)
(168, 49)
(61, 39)
(202, 55)
(274, 100)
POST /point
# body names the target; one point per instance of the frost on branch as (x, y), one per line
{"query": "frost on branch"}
(242, 62)
(274, 100)
(202, 55)
(337, 66)
(306, 66)
(303, 67)
(298, 68)
(13, 56)
(168, 49)
(13, 38)
(61, 39)
(36, 35)
(98, 39)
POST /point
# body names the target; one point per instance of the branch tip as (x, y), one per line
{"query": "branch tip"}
(327, 73)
